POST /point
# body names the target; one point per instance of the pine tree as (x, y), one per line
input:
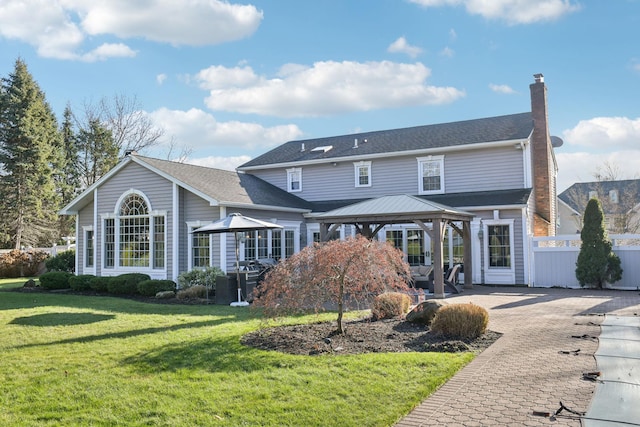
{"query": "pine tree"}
(597, 264)
(28, 133)
(67, 176)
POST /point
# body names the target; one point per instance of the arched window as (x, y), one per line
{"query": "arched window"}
(134, 236)
(134, 232)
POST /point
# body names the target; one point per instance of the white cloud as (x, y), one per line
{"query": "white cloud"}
(108, 50)
(511, 11)
(447, 52)
(226, 163)
(60, 28)
(453, 36)
(612, 140)
(161, 78)
(605, 133)
(202, 132)
(218, 77)
(401, 46)
(581, 166)
(504, 89)
(326, 88)
(195, 23)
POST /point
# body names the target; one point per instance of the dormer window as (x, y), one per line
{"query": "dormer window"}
(431, 174)
(362, 174)
(294, 180)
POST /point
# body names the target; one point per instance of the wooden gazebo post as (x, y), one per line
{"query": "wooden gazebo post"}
(438, 269)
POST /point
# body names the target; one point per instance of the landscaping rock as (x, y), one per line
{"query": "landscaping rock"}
(424, 312)
(165, 295)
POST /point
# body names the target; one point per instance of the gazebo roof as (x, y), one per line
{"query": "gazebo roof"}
(392, 210)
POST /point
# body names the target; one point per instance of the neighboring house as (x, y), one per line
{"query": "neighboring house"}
(502, 170)
(620, 202)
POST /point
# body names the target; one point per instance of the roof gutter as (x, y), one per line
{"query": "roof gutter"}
(262, 207)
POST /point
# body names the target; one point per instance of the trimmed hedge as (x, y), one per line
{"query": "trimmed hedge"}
(100, 283)
(63, 261)
(152, 287)
(126, 284)
(55, 280)
(81, 282)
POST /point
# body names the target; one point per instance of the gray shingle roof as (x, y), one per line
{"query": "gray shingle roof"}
(577, 195)
(502, 128)
(392, 205)
(227, 187)
(515, 197)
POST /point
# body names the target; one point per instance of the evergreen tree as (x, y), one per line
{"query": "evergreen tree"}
(67, 176)
(597, 264)
(28, 133)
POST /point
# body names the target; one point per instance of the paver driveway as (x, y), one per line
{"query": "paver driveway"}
(534, 366)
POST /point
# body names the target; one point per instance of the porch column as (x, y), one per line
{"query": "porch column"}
(438, 273)
(466, 257)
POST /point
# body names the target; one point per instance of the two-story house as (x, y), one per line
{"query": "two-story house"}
(499, 171)
(620, 201)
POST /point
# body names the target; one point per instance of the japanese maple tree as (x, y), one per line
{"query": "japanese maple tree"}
(333, 275)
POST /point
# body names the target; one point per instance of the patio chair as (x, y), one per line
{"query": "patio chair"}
(422, 276)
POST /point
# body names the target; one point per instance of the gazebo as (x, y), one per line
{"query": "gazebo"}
(370, 216)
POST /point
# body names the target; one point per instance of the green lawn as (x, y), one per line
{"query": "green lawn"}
(70, 360)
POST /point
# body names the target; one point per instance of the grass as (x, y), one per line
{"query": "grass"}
(101, 361)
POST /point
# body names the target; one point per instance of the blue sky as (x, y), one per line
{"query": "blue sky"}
(230, 80)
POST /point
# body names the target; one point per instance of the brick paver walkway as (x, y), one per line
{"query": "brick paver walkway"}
(528, 368)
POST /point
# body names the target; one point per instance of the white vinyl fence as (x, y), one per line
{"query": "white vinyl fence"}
(554, 261)
(53, 251)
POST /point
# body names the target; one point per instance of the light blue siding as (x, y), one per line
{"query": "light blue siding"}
(477, 170)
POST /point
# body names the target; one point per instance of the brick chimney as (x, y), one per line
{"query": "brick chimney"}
(544, 167)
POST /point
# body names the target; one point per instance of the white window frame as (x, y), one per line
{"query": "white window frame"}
(89, 268)
(192, 225)
(357, 167)
(613, 196)
(116, 217)
(424, 161)
(291, 174)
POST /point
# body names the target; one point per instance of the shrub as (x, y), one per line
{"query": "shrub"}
(197, 291)
(152, 287)
(17, 263)
(55, 280)
(205, 277)
(100, 283)
(81, 282)
(63, 261)
(390, 304)
(460, 321)
(597, 265)
(126, 284)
